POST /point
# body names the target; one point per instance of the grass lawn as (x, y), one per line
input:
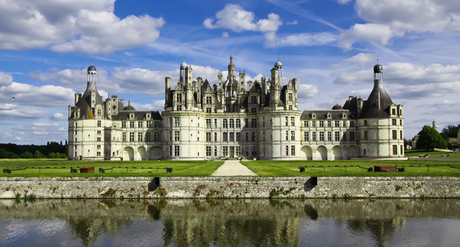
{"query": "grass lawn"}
(414, 168)
(434, 154)
(61, 168)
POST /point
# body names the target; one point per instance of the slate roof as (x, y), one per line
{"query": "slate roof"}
(138, 115)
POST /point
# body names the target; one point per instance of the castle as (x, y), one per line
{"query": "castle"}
(234, 119)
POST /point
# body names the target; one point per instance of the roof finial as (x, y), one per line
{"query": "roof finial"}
(377, 61)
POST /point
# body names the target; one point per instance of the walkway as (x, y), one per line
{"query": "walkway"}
(233, 168)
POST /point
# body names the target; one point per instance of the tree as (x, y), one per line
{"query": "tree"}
(26, 155)
(37, 155)
(450, 131)
(429, 139)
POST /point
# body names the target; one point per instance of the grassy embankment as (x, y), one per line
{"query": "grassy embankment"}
(414, 167)
(122, 168)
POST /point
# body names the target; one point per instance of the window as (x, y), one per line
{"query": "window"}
(99, 112)
(321, 136)
(98, 153)
(293, 150)
(247, 136)
(157, 124)
(364, 151)
(225, 123)
(365, 135)
(400, 122)
(329, 136)
(254, 137)
(238, 151)
(395, 150)
(176, 122)
(99, 132)
(139, 124)
(393, 111)
(156, 136)
(292, 121)
(170, 151)
(305, 124)
(400, 135)
(149, 124)
(337, 124)
(402, 150)
(232, 123)
(313, 136)
(215, 136)
(176, 151)
(344, 137)
(329, 124)
(292, 135)
(287, 119)
(176, 136)
(225, 151)
(123, 124)
(287, 150)
(254, 123)
(99, 124)
(290, 107)
(139, 136)
(321, 124)
(393, 121)
(352, 123)
(215, 150)
(344, 123)
(131, 136)
(225, 137)
(394, 134)
(208, 123)
(98, 139)
(238, 123)
(123, 137)
(232, 136)
(313, 124)
(215, 123)
(170, 122)
(337, 136)
(306, 136)
(208, 100)
(287, 135)
(254, 151)
(148, 136)
(208, 150)
(352, 136)
(131, 124)
(365, 122)
(98, 146)
(208, 136)
(290, 96)
(179, 97)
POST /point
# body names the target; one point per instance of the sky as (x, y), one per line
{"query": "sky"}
(330, 46)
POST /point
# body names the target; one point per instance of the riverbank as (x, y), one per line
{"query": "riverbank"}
(230, 187)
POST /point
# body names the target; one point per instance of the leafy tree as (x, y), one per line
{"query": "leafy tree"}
(63, 156)
(429, 139)
(37, 154)
(5, 154)
(26, 155)
(52, 155)
(450, 131)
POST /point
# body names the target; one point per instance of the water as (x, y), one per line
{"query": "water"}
(230, 223)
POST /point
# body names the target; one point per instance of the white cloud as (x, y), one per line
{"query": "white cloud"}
(156, 105)
(45, 124)
(5, 79)
(306, 39)
(343, 1)
(361, 59)
(83, 26)
(393, 18)
(47, 95)
(21, 113)
(292, 23)
(58, 116)
(235, 18)
(225, 35)
(307, 91)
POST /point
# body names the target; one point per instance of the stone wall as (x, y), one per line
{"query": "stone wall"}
(232, 187)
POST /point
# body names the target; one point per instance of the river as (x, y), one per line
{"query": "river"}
(256, 222)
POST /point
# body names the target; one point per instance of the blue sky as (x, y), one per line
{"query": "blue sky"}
(331, 46)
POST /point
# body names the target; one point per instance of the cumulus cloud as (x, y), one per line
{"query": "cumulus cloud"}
(235, 18)
(73, 26)
(292, 23)
(45, 124)
(361, 59)
(307, 91)
(58, 117)
(306, 39)
(21, 114)
(225, 35)
(156, 105)
(392, 18)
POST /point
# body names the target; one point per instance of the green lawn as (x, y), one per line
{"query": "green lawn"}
(434, 154)
(38, 168)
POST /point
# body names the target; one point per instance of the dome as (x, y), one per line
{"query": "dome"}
(91, 68)
(378, 68)
(337, 107)
(278, 64)
(183, 65)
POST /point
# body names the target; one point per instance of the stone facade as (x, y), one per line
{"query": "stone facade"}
(233, 187)
(234, 119)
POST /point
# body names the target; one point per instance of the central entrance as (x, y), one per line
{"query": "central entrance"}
(232, 152)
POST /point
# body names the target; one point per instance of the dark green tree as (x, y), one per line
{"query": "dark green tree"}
(26, 155)
(38, 154)
(429, 139)
(450, 131)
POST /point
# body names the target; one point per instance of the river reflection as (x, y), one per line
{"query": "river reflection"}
(230, 223)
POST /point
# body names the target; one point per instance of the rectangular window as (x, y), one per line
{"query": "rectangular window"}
(124, 137)
(131, 124)
(208, 123)
(149, 124)
(215, 123)
(139, 136)
(225, 137)
(344, 123)
(176, 122)
(352, 136)
(99, 112)
(156, 136)
(170, 151)
(400, 135)
(287, 150)
(246, 123)
(395, 150)
(225, 123)
(238, 151)
(176, 151)
(329, 136)
(215, 136)
(123, 124)
(254, 137)
(313, 136)
(208, 100)
(329, 124)
(313, 124)
(237, 136)
(98, 146)
(254, 151)
(215, 150)
(176, 136)
(365, 122)
(393, 121)
(287, 119)
(365, 135)
(292, 135)
(157, 124)
(337, 136)
(208, 151)
(400, 122)
(99, 124)
(98, 153)
(306, 136)
(99, 132)
(247, 136)
(321, 124)
(148, 136)
(131, 136)
(344, 137)
(290, 96)
(208, 136)
(292, 150)
(287, 135)
(394, 134)
(232, 123)
(98, 139)
(139, 124)
(254, 123)
(238, 123)
(232, 136)
(321, 136)
(305, 124)
(225, 151)
(352, 123)
(292, 121)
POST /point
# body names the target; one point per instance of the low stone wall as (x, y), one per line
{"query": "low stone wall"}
(232, 187)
